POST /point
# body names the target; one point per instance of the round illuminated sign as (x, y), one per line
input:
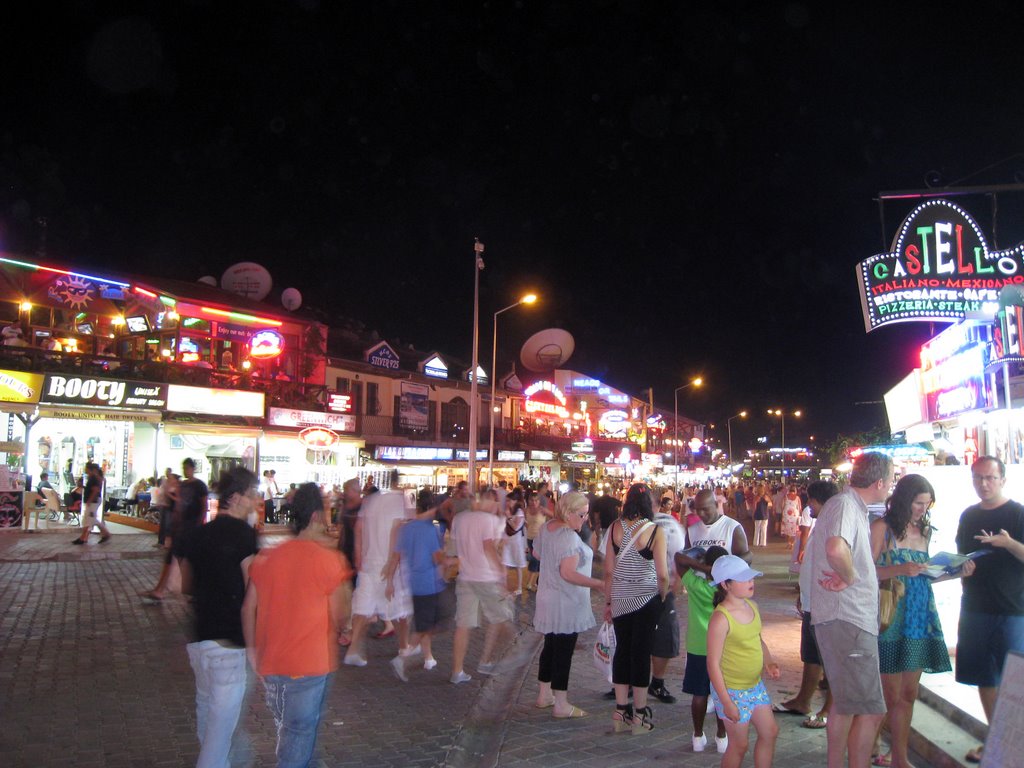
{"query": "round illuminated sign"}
(266, 344)
(318, 438)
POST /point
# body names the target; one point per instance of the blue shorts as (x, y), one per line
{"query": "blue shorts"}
(695, 678)
(745, 700)
(983, 640)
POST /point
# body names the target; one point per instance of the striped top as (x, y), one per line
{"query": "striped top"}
(634, 580)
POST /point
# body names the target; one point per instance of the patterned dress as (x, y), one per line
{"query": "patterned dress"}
(914, 640)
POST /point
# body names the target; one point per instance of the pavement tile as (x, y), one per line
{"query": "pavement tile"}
(89, 676)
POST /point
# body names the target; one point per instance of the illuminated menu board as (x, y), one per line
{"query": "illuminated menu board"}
(939, 268)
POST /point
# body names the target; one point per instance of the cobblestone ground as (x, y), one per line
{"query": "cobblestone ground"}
(89, 676)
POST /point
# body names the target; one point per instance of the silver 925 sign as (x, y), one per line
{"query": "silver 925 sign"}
(109, 393)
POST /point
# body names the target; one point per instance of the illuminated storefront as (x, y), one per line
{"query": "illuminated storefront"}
(309, 446)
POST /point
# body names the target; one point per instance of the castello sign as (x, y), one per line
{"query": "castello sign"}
(939, 269)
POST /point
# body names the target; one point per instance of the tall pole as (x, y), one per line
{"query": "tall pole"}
(741, 414)
(729, 425)
(527, 299)
(675, 448)
(494, 377)
(783, 414)
(474, 404)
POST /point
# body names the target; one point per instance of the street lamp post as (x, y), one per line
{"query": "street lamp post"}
(474, 405)
(782, 414)
(527, 299)
(741, 414)
(675, 423)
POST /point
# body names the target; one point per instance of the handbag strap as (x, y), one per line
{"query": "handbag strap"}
(633, 538)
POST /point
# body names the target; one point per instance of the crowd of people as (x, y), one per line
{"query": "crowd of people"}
(460, 561)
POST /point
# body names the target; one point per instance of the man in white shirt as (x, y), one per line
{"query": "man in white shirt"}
(844, 610)
(714, 529)
(480, 587)
(380, 516)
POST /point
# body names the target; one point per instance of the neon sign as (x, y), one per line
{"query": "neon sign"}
(537, 406)
(586, 383)
(318, 438)
(939, 268)
(265, 345)
(613, 423)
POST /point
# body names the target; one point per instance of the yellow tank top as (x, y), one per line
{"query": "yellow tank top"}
(742, 657)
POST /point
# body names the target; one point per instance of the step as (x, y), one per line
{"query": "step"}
(941, 734)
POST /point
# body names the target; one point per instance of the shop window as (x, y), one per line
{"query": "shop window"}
(372, 401)
(342, 385)
(454, 419)
(9, 312)
(195, 325)
(40, 316)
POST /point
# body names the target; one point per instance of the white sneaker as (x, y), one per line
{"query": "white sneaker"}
(722, 744)
(412, 651)
(486, 669)
(462, 677)
(429, 664)
(354, 660)
(699, 742)
(398, 665)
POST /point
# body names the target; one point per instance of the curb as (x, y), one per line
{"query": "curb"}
(479, 741)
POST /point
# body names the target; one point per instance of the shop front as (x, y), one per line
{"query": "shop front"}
(309, 447)
(542, 466)
(419, 466)
(107, 421)
(217, 428)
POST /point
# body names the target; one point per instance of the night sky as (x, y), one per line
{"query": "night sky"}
(688, 189)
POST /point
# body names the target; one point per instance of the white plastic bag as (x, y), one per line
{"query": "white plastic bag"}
(604, 649)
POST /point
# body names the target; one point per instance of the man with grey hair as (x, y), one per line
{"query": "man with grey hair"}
(844, 610)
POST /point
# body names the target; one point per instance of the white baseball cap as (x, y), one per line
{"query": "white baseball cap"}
(732, 568)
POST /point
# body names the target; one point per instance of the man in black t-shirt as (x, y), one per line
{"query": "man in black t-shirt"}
(992, 606)
(214, 570)
(92, 498)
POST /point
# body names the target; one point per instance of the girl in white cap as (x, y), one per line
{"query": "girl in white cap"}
(736, 656)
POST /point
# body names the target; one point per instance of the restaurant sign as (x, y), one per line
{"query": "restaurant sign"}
(298, 419)
(214, 402)
(20, 387)
(952, 371)
(939, 268)
(107, 393)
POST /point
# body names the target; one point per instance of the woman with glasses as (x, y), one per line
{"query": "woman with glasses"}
(563, 600)
(913, 643)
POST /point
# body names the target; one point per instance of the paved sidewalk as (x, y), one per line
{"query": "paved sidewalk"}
(89, 676)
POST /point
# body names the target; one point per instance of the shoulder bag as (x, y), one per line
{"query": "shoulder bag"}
(890, 591)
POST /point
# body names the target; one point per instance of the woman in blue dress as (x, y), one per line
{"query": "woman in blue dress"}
(913, 643)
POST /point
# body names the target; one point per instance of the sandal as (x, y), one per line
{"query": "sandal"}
(574, 713)
(882, 760)
(815, 721)
(974, 756)
(385, 633)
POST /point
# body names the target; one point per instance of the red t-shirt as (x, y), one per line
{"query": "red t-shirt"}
(294, 583)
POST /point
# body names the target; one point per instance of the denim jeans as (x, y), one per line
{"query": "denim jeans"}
(296, 704)
(220, 688)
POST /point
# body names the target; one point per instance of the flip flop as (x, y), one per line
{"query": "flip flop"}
(974, 756)
(574, 713)
(386, 633)
(815, 721)
(546, 705)
(882, 760)
(781, 710)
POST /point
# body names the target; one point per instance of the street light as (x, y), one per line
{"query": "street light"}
(740, 415)
(782, 414)
(474, 405)
(529, 298)
(675, 422)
